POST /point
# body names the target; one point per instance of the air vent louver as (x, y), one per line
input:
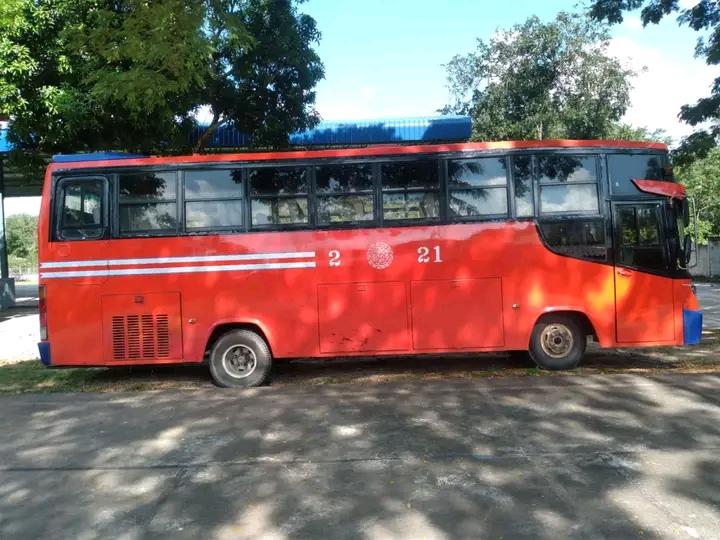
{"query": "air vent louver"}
(135, 337)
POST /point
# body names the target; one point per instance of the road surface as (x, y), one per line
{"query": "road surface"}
(542, 458)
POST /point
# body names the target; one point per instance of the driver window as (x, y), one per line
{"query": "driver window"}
(639, 237)
(81, 212)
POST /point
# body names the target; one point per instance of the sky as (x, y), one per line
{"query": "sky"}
(384, 58)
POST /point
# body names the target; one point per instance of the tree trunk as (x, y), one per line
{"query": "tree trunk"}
(205, 137)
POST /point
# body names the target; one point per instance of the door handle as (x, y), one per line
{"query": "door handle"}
(623, 272)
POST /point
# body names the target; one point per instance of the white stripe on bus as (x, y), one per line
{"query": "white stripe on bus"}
(165, 260)
(176, 270)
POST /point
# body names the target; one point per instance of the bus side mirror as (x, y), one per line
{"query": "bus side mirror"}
(686, 212)
(687, 250)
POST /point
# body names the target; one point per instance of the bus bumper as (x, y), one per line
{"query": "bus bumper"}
(692, 326)
(44, 348)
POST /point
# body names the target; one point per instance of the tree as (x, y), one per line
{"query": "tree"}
(626, 132)
(703, 17)
(702, 180)
(129, 74)
(541, 80)
(21, 230)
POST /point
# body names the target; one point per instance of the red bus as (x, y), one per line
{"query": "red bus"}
(238, 260)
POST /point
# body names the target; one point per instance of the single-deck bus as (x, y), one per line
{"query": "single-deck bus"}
(238, 260)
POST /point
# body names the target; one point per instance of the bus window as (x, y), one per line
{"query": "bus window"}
(623, 168)
(344, 193)
(279, 196)
(213, 199)
(148, 202)
(568, 184)
(81, 215)
(477, 187)
(639, 237)
(411, 190)
(578, 238)
(523, 184)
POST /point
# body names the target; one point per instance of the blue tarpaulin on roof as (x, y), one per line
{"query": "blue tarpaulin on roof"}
(381, 131)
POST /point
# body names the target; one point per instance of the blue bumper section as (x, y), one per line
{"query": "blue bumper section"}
(44, 348)
(692, 326)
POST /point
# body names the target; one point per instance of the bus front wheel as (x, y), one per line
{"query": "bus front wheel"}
(557, 342)
(240, 358)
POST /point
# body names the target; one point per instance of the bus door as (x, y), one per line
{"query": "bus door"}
(643, 292)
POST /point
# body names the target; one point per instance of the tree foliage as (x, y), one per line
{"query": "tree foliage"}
(129, 74)
(702, 180)
(541, 80)
(626, 132)
(703, 17)
(21, 232)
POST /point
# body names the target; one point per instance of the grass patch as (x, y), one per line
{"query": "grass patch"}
(31, 376)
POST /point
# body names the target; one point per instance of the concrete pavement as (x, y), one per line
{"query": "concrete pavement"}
(709, 298)
(560, 457)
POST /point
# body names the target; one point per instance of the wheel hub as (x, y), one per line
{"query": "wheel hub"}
(239, 361)
(556, 340)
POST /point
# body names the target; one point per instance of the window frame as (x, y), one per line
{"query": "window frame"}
(308, 195)
(177, 201)
(662, 231)
(540, 185)
(637, 194)
(441, 191)
(482, 217)
(242, 227)
(59, 203)
(372, 192)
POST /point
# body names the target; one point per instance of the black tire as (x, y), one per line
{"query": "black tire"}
(557, 342)
(240, 359)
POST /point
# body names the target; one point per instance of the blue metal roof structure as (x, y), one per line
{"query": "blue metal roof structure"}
(93, 156)
(351, 132)
(4, 143)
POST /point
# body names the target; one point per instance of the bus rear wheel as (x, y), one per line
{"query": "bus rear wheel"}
(240, 359)
(557, 343)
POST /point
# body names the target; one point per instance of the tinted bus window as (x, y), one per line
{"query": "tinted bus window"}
(81, 216)
(344, 193)
(411, 190)
(568, 184)
(279, 196)
(148, 202)
(582, 239)
(639, 238)
(523, 184)
(213, 199)
(477, 187)
(623, 168)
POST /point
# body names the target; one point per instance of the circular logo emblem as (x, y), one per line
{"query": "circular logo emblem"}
(380, 255)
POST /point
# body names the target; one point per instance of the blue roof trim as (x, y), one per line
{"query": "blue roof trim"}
(93, 156)
(389, 130)
(5, 145)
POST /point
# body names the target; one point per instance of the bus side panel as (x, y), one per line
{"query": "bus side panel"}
(74, 322)
(537, 281)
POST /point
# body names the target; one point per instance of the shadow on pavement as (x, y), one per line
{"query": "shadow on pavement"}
(591, 457)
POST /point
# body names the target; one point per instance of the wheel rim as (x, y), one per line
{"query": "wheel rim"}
(556, 340)
(239, 361)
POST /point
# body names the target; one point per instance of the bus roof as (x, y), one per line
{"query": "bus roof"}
(106, 159)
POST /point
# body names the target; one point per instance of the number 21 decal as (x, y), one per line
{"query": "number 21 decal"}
(424, 254)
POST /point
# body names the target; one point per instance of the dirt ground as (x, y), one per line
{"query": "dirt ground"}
(31, 376)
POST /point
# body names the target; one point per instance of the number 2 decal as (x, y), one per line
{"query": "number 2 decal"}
(334, 256)
(424, 254)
